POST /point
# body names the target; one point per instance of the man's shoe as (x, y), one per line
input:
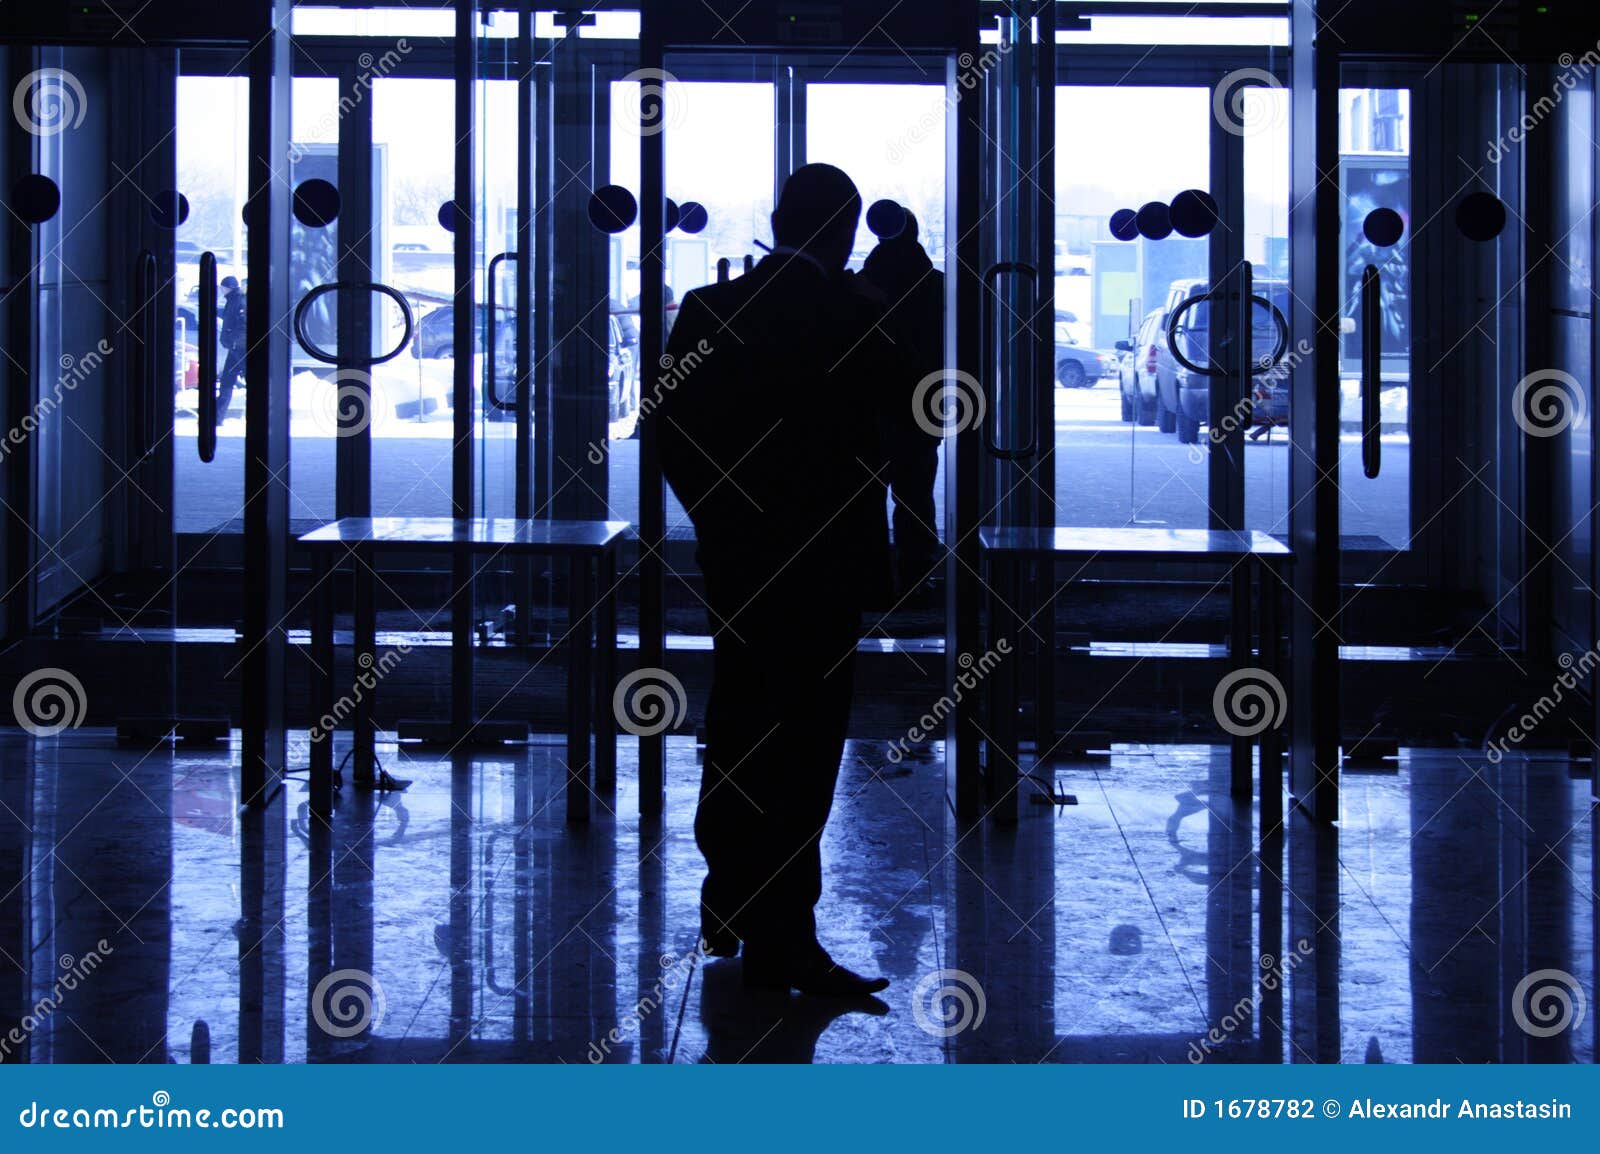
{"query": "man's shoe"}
(717, 937)
(811, 972)
(718, 943)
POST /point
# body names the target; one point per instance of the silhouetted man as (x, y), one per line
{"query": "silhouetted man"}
(232, 339)
(772, 442)
(913, 292)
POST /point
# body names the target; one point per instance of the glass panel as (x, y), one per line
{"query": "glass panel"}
(497, 212)
(313, 260)
(212, 116)
(1375, 173)
(1118, 460)
(413, 136)
(1265, 117)
(890, 139)
(706, 118)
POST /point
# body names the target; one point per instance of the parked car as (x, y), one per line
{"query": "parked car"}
(1078, 367)
(1143, 359)
(435, 340)
(1187, 396)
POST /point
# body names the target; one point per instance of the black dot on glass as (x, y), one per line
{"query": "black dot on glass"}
(1155, 220)
(1480, 216)
(1124, 224)
(612, 208)
(1193, 213)
(1383, 227)
(35, 198)
(316, 203)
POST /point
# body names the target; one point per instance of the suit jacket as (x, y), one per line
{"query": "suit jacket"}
(770, 420)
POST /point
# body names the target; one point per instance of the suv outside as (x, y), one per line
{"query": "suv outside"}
(1188, 394)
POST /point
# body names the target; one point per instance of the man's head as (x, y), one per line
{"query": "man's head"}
(817, 213)
(230, 284)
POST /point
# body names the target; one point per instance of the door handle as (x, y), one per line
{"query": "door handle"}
(1273, 359)
(1172, 334)
(489, 330)
(992, 274)
(317, 352)
(1371, 355)
(207, 339)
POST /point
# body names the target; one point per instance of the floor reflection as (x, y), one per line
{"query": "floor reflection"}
(144, 919)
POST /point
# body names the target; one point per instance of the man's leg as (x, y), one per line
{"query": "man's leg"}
(812, 685)
(232, 366)
(726, 821)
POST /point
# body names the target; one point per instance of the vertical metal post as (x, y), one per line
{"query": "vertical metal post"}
(353, 307)
(1316, 271)
(652, 343)
(464, 320)
(963, 450)
(266, 464)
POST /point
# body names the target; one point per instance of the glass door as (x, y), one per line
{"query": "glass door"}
(139, 381)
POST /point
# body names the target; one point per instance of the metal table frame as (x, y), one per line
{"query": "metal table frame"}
(1256, 569)
(590, 549)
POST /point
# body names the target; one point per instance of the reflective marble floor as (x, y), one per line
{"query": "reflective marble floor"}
(1450, 916)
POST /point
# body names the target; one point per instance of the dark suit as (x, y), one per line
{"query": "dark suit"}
(771, 439)
(913, 292)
